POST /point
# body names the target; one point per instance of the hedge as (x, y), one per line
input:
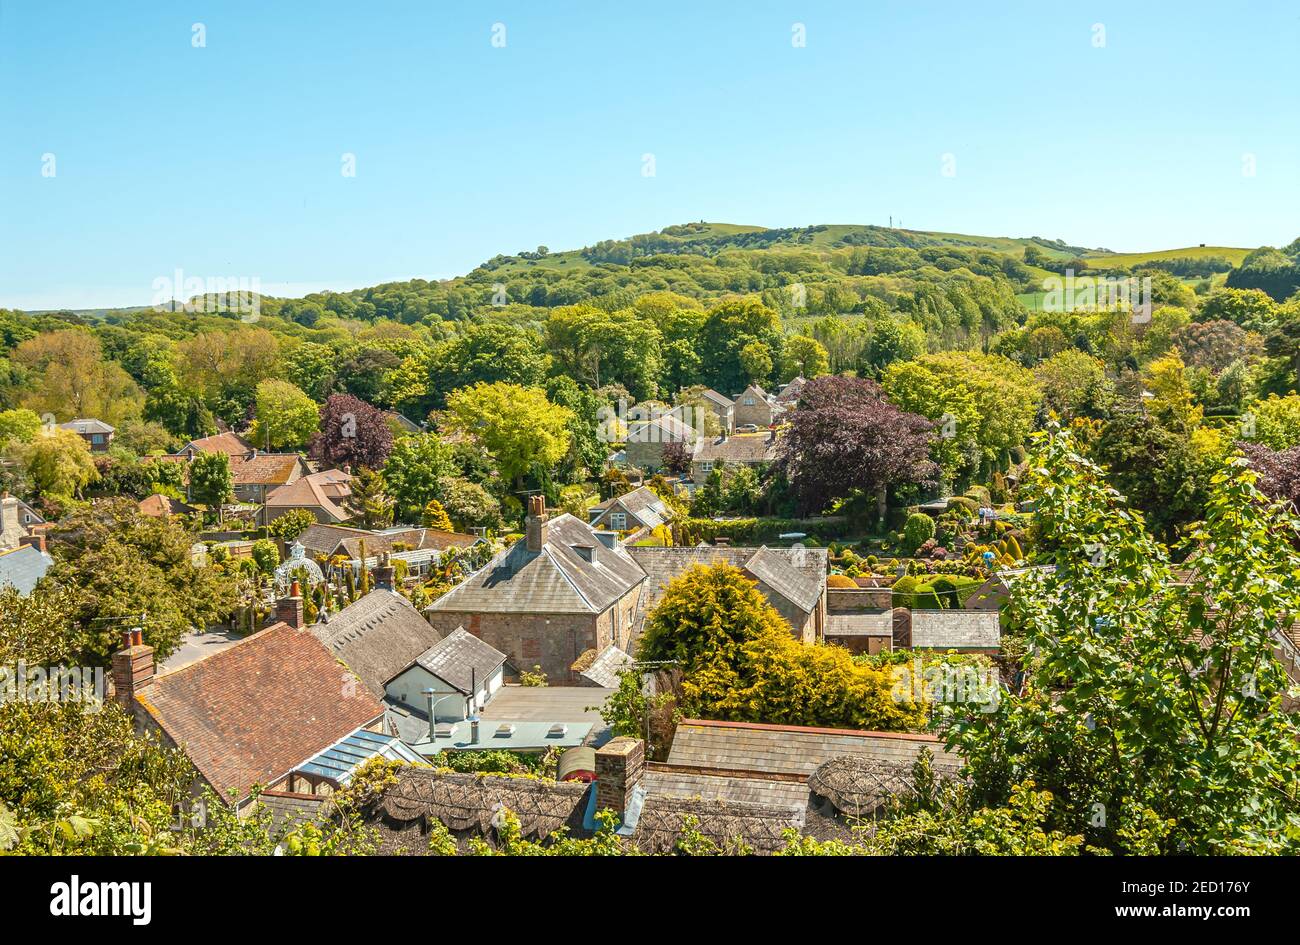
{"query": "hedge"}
(755, 531)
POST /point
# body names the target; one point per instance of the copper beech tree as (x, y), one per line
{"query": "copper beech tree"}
(845, 438)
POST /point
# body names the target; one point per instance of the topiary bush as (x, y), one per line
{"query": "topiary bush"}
(918, 530)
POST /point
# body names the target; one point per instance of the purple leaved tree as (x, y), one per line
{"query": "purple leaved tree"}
(846, 438)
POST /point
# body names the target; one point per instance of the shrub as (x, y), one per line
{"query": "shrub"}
(918, 530)
(905, 591)
(840, 580)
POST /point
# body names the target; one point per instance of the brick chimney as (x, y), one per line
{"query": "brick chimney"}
(289, 609)
(37, 541)
(132, 668)
(535, 525)
(385, 572)
(620, 763)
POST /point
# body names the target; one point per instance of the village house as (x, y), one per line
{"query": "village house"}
(249, 714)
(567, 589)
(754, 407)
(560, 591)
(741, 449)
(789, 394)
(324, 494)
(377, 636)
(451, 680)
(254, 474)
(647, 440)
(162, 506)
(633, 511)
(792, 579)
(97, 434)
(723, 408)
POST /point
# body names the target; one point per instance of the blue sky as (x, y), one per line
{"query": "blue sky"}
(226, 160)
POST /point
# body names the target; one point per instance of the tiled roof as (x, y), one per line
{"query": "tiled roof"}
(791, 391)
(867, 624)
(322, 539)
(555, 580)
(738, 448)
(160, 505)
(377, 636)
(264, 469)
(460, 659)
(252, 712)
(22, 567)
(229, 443)
(324, 491)
(956, 629)
(794, 750)
(662, 565)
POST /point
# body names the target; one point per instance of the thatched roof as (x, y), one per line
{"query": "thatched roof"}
(857, 786)
(472, 802)
(732, 826)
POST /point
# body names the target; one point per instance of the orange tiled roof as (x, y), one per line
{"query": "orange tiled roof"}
(251, 713)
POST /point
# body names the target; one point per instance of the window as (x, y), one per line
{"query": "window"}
(618, 521)
(749, 401)
(97, 439)
(706, 467)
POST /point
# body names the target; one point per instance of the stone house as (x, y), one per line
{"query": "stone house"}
(741, 449)
(754, 406)
(646, 441)
(560, 591)
(638, 509)
(97, 434)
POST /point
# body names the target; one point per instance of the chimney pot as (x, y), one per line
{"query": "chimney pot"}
(535, 526)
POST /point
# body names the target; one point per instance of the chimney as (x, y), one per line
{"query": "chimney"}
(289, 609)
(132, 668)
(385, 572)
(535, 525)
(11, 530)
(37, 541)
(433, 733)
(619, 765)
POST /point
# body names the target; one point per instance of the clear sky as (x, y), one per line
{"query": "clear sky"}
(226, 159)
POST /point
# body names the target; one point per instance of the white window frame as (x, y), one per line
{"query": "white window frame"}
(618, 521)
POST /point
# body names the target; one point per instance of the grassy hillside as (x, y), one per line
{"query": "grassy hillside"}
(1233, 254)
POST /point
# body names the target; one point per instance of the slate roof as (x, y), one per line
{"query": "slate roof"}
(864, 624)
(662, 565)
(664, 429)
(642, 504)
(683, 782)
(603, 670)
(791, 391)
(84, 425)
(713, 397)
(794, 750)
(377, 637)
(555, 580)
(459, 658)
(774, 569)
(737, 448)
(252, 712)
(956, 629)
(22, 567)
